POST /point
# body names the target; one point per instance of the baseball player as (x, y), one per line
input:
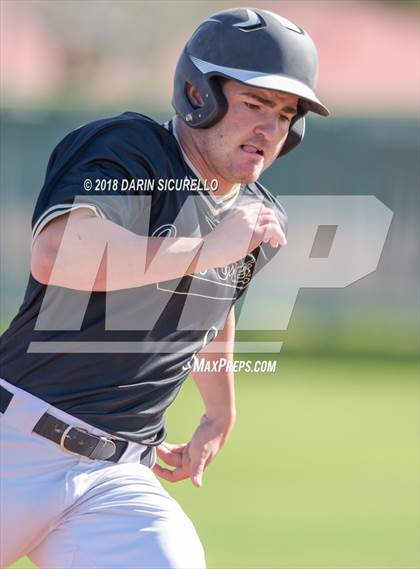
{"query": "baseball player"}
(144, 238)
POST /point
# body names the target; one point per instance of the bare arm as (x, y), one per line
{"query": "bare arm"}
(75, 249)
(84, 252)
(217, 388)
(217, 391)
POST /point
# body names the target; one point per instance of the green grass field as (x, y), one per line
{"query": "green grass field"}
(321, 471)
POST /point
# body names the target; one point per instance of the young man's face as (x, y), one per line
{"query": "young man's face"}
(251, 134)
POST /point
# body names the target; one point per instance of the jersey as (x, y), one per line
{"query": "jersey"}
(117, 360)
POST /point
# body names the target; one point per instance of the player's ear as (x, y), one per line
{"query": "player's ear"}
(194, 96)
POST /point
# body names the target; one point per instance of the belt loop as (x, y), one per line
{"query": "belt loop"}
(104, 449)
(5, 398)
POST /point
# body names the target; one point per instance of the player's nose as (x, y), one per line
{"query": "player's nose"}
(272, 129)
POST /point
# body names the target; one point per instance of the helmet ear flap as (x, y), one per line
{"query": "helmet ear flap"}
(295, 136)
(215, 103)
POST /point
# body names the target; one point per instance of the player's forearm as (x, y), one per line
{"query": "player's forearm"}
(216, 385)
(217, 391)
(146, 260)
(95, 254)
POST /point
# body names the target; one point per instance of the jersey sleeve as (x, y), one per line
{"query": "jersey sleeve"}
(106, 174)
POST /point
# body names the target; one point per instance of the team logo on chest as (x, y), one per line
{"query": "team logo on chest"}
(220, 283)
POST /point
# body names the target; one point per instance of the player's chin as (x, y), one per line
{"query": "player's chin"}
(249, 174)
(248, 171)
(241, 177)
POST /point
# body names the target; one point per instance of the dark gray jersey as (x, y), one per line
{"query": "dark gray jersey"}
(118, 359)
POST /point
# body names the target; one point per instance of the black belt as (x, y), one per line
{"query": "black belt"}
(77, 439)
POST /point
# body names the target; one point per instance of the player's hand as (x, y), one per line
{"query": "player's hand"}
(191, 459)
(240, 232)
(206, 442)
(176, 456)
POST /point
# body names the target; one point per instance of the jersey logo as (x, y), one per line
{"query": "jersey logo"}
(235, 276)
(165, 230)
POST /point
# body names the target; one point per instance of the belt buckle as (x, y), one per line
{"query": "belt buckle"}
(98, 452)
(64, 436)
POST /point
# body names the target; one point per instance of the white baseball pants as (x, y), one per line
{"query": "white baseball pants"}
(66, 511)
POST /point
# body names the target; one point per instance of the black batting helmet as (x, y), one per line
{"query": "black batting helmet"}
(252, 46)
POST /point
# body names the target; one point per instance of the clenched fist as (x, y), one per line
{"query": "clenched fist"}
(239, 233)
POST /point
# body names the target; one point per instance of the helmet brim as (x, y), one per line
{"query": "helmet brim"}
(275, 82)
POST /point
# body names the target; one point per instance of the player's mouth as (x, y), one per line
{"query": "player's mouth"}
(252, 149)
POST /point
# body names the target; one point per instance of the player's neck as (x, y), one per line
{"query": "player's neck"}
(196, 161)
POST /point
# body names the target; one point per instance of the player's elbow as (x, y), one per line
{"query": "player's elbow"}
(45, 250)
(42, 259)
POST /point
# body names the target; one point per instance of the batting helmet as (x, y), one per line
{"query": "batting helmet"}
(252, 46)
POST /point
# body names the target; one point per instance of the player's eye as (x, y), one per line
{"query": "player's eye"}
(251, 106)
(285, 118)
